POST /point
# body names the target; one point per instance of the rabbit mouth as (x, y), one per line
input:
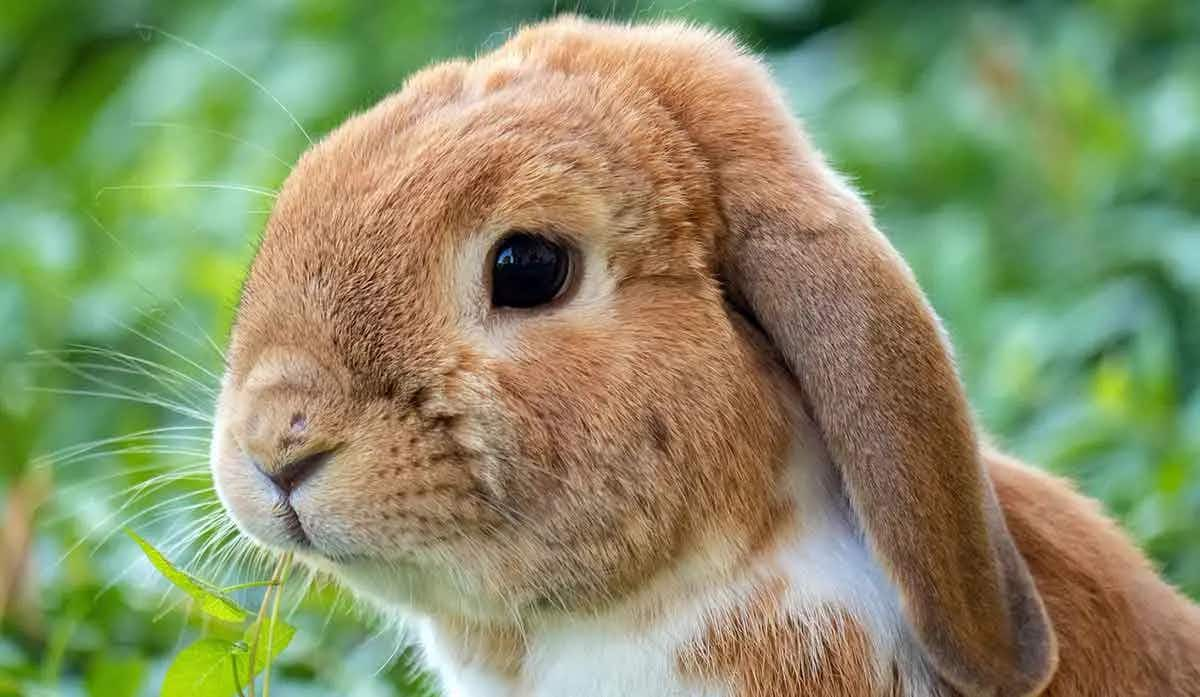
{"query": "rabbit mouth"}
(292, 525)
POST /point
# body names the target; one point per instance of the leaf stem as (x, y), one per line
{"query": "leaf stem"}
(237, 683)
(286, 562)
(272, 588)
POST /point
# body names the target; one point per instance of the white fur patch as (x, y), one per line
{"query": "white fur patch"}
(826, 565)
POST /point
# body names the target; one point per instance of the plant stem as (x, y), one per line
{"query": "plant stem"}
(272, 586)
(286, 561)
(237, 683)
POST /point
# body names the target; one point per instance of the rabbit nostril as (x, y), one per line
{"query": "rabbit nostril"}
(294, 472)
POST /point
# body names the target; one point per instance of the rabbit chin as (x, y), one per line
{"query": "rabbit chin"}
(403, 590)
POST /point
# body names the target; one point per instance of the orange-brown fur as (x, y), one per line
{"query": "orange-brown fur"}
(557, 461)
(831, 652)
(1121, 630)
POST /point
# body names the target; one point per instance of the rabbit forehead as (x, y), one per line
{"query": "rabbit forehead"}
(382, 215)
(498, 144)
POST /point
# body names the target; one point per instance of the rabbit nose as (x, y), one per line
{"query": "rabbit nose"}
(286, 418)
(293, 472)
(279, 440)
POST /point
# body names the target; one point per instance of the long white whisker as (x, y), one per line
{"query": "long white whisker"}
(194, 532)
(140, 362)
(222, 529)
(121, 576)
(207, 342)
(222, 186)
(95, 370)
(212, 132)
(165, 431)
(262, 88)
(141, 515)
(183, 409)
(117, 241)
(196, 468)
(215, 378)
(191, 475)
(107, 519)
(216, 555)
(133, 494)
(177, 408)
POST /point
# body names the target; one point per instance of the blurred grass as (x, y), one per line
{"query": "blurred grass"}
(1038, 163)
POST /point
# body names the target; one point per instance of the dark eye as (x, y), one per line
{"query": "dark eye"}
(528, 271)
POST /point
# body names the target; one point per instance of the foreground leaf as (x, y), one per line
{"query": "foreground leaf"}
(279, 641)
(205, 669)
(208, 598)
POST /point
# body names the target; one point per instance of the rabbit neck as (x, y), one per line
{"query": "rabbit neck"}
(809, 614)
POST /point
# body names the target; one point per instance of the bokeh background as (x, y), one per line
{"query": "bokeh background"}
(1037, 162)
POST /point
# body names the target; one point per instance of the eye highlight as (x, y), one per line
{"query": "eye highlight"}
(528, 270)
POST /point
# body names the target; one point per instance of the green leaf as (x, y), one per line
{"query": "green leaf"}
(279, 641)
(205, 669)
(208, 597)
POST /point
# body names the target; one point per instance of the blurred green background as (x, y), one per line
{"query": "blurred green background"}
(1038, 163)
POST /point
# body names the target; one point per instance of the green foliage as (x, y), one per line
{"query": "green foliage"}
(221, 665)
(205, 668)
(1038, 164)
(208, 597)
(114, 676)
(208, 667)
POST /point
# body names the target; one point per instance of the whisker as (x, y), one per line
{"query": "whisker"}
(89, 535)
(167, 431)
(198, 471)
(194, 470)
(154, 342)
(205, 341)
(221, 529)
(146, 363)
(161, 481)
(212, 132)
(194, 532)
(152, 520)
(214, 557)
(178, 409)
(171, 386)
(187, 409)
(179, 304)
(262, 88)
(225, 557)
(221, 186)
(116, 580)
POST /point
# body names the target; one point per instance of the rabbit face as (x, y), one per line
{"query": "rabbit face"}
(482, 358)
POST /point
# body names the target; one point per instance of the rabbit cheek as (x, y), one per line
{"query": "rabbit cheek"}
(611, 476)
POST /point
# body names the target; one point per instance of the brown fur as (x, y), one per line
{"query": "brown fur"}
(558, 460)
(1121, 630)
(830, 652)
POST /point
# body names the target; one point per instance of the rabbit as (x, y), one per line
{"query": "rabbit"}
(580, 359)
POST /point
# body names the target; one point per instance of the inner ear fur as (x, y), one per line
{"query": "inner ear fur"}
(802, 253)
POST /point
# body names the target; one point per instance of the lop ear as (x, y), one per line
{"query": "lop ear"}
(877, 375)
(801, 253)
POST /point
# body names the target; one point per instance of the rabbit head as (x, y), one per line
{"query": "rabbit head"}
(527, 331)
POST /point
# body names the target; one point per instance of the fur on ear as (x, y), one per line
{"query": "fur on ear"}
(801, 253)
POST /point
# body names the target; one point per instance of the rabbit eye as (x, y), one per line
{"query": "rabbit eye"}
(528, 270)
